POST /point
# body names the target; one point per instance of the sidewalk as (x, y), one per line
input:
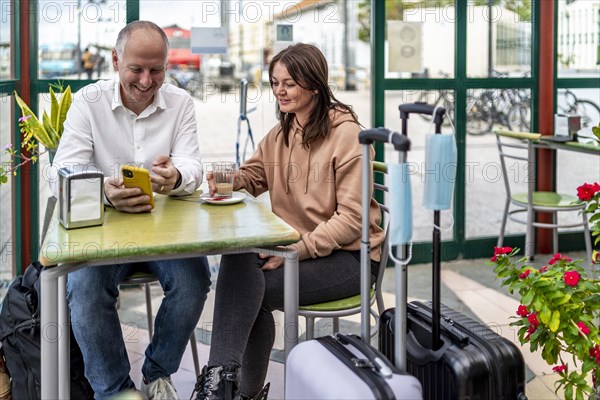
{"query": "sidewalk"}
(468, 286)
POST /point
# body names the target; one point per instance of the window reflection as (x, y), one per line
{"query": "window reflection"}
(578, 38)
(499, 39)
(489, 109)
(7, 245)
(420, 39)
(6, 40)
(67, 28)
(582, 102)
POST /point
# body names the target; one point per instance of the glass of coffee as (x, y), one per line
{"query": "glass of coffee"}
(223, 175)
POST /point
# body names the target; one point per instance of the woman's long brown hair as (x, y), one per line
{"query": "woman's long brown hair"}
(308, 68)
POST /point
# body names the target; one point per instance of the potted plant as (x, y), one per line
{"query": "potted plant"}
(559, 312)
(46, 130)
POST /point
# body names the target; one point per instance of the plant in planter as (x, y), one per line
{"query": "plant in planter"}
(560, 307)
(46, 130)
(559, 315)
(596, 132)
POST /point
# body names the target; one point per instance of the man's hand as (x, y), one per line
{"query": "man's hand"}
(164, 176)
(131, 200)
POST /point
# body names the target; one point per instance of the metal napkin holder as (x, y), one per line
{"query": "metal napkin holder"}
(80, 196)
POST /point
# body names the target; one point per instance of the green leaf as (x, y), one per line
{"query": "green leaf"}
(65, 103)
(554, 321)
(568, 391)
(545, 314)
(53, 143)
(53, 110)
(563, 300)
(37, 128)
(528, 297)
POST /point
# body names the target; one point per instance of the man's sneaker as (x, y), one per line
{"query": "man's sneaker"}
(160, 389)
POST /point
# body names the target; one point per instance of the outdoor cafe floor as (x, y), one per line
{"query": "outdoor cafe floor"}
(468, 286)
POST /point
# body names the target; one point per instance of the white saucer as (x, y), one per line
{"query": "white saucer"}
(236, 197)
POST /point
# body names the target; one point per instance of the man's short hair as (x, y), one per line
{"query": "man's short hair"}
(134, 26)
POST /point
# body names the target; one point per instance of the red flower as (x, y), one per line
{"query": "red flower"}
(560, 368)
(522, 311)
(532, 318)
(571, 278)
(532, 328)
(525, 274)
(500, 251)
(595, 352)
(586, 191)
(558, 257)
(543, 269)
(583, 328)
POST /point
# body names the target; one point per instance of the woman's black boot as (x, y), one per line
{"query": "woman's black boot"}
(262, 395)
(217, 383)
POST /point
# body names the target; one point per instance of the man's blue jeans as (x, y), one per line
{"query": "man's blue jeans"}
(92, 293)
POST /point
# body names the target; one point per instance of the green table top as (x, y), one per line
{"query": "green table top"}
(174, 226)
(588, 147)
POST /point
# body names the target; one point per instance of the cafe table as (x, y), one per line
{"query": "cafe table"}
(588, 147)
(176, 228)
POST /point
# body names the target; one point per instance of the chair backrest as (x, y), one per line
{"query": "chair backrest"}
(517, 146)
(380, 170)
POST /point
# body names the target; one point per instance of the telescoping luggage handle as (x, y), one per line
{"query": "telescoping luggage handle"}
(437, 113)
(422, 108)
(401, 144)
(370, 136)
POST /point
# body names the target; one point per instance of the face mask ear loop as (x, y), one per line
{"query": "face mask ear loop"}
(449, 120)
(446, 228)
(406, 260)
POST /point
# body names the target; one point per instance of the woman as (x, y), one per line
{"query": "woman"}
(311, 165)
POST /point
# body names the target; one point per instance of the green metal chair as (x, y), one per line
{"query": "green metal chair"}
(519, 147)
(351, 305)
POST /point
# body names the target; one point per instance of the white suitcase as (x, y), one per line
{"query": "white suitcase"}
(315, 372)
(344, 366)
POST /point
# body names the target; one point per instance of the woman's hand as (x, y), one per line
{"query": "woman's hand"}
(273, 262)
(212, 189)
(211, 184)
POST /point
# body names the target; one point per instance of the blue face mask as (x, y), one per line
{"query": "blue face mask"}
(401, 218)
(440, 171)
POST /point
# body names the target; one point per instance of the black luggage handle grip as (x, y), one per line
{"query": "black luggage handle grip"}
(369, 136)
(421, 107)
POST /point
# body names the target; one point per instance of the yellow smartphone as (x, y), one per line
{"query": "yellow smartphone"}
(137, 177)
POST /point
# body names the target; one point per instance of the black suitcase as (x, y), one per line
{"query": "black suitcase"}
(453, 356)
(473, 362)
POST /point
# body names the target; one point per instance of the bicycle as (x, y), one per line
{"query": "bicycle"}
(507, 107)
(443, 97)
(586, 109)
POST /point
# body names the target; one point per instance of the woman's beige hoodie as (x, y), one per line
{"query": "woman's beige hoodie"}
(315, 189)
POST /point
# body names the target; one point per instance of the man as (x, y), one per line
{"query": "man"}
(135, 119)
